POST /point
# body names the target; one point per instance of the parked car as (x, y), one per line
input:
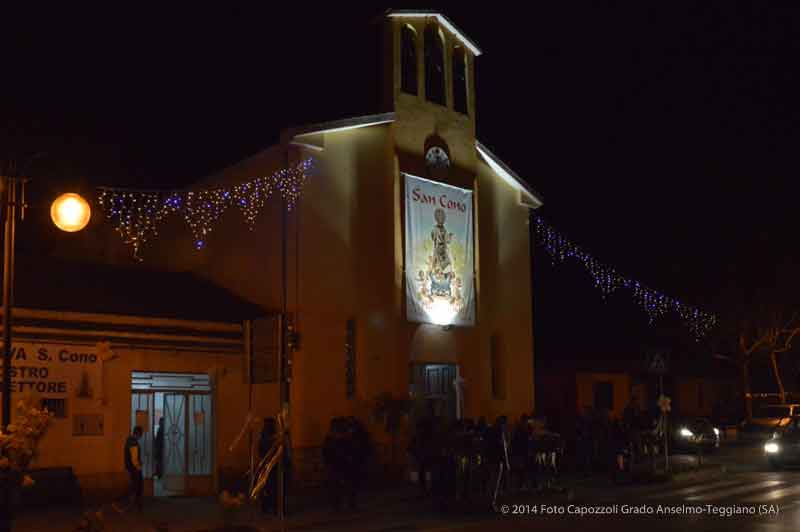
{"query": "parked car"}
(767, 419)
(783, 448)
(695, 434)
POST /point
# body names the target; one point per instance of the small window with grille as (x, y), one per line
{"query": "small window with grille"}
(56, 406)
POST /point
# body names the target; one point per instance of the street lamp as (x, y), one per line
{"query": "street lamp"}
(69, 212)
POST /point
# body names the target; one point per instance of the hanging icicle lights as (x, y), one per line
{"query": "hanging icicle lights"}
(608, 280)
(137, 214)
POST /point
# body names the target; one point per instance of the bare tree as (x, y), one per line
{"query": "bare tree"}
(758, 317)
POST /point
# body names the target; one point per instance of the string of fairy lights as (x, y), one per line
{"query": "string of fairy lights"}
(137, 214)
(608, 280)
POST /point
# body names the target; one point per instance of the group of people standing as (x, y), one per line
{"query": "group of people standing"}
(472, 458)
(606, 444)
(345, 453)
(454, 460)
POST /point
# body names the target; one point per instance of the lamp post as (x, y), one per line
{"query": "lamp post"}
(69, 212)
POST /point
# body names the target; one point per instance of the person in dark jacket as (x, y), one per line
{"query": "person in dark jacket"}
(496, 454)
(618, 446)
(158, 450)
(583, 442)
(360, 451)
(520, 451)
(336, 451)
(422, 449)
(133, 465)
(269, 495)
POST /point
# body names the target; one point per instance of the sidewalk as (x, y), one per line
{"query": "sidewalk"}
(202, 514)
(393, 506)
(396, 507)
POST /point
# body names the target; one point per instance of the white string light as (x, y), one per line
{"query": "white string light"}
(137, 214)
(655, 304)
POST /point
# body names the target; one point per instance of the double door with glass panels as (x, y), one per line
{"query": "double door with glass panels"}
(187, 452)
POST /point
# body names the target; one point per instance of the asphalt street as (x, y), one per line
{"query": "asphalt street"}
(750, 497)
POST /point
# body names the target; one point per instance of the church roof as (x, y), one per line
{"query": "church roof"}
(509, 176)
(296, 136)
(442, 20)
(339, 125)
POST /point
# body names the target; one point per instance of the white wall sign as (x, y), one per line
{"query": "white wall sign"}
(54, 370)
(439, 253)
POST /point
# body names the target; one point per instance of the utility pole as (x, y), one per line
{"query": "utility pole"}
(665, 413)
(9, 199)
(284, 355)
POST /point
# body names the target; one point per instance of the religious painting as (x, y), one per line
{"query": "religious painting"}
(439, 253)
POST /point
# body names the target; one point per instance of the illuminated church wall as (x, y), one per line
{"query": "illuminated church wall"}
(346, 261)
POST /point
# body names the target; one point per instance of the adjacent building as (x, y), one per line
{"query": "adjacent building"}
(107, 348)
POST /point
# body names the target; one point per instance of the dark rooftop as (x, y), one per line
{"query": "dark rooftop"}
(45, 283)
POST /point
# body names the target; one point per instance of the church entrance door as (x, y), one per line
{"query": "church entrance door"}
(435, 383)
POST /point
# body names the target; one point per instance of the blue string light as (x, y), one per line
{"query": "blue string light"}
(136, 215)
(654, 303)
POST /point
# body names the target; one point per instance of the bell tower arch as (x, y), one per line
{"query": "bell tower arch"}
(429, 82)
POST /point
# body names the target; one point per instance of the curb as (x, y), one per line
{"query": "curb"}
(641, 478)
(706, 473)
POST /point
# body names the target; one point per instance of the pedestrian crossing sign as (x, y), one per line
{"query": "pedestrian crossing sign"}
(665, 404)
(657, 362)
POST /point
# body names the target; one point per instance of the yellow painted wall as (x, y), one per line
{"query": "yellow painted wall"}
(97, 461)
(345, 260)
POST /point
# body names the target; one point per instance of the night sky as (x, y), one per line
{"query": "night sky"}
(663, 140)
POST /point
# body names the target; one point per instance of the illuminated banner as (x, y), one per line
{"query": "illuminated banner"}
(439, 253)
(57, 371)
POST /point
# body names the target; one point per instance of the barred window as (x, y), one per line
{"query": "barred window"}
(56, 406)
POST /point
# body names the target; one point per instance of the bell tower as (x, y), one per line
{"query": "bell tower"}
(429, 82)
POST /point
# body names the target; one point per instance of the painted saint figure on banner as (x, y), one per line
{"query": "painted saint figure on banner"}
(439, 286)
(441, 271)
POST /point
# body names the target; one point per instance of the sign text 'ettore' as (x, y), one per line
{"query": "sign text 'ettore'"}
(54, 370)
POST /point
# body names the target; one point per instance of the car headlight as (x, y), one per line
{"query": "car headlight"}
(772, 448)
(686, 433)
(716, 431)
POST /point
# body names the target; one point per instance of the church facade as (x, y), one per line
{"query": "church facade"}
(405, 266)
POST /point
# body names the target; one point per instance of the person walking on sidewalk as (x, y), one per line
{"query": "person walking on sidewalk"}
(133, 464)
(158, 450)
